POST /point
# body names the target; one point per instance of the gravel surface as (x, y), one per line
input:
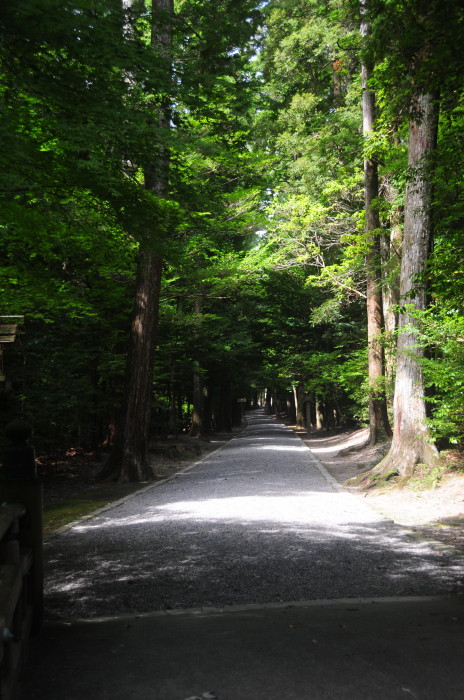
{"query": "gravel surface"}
(254, 522)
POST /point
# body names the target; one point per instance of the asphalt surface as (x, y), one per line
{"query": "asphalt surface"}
(233, 580)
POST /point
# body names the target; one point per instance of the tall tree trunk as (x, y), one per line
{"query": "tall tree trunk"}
(308, 415)
(379, 426)
(129, 460)
(319, 409)
(255, 400)
(298, 396)
(391, 260)
(267, 403)
(411, 441)
(237, 413)
(224, 412)
(197, 427)
(173, 399)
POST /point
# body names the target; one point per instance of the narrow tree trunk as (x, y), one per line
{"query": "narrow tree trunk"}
(255, 400)
(337, 81)
(298, 395)
(267, 403)
(308, 416)
(391, 261)
(173, 400)
(225, 407)
(197, 424)
(290, 408)
(208, 409)
(237, 413)
(379, 426)
(319, 414)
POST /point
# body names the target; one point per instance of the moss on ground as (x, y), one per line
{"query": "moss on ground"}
(64, 511)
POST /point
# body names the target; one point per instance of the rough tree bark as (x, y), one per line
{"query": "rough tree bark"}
(173, 399)
(197, 427)
(379, 425)
(129, 460)
(308, 416)
(224, 408)
(411, 441)
(391, 260)
(319, 408)
(298, 397)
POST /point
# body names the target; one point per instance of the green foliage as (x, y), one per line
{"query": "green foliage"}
(264, 218)
(442, 334)
(427, 477)
(80, 86)
(61, 513)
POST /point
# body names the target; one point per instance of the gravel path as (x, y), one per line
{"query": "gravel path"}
(254, 522)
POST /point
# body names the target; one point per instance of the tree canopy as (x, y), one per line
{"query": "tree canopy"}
(225, 142)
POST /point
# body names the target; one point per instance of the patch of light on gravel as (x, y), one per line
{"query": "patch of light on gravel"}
(282, 448)
(325, 509)
(249, 441)
(72, 585)
(355, 441)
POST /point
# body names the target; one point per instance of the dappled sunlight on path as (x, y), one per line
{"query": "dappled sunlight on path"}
(256, 522)
(305, 508)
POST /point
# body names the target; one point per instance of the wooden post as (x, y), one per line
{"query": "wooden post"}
(19, 483)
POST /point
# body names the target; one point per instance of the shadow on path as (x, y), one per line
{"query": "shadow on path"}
(254, 523)
(351, 650)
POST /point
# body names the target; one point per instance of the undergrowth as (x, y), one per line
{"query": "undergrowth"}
(426, 477)
(64, 511)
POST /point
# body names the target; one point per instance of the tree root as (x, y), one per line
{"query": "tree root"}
(398, 462)
(376, 476)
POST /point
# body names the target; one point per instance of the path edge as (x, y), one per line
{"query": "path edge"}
(405, 531)
(115, 504)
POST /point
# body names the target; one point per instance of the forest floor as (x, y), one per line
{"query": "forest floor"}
(71, 486)
(430, 505)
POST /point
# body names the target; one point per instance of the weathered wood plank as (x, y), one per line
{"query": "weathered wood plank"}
(26, 559)
(9, 512)
(11, 581)
(10, 682)
(9, 552)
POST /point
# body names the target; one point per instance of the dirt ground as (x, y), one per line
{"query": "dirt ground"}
(436, 512)
(65, 475)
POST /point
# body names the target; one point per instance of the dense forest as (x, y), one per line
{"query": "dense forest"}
(210, 205)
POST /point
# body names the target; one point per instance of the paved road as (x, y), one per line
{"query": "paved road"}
(255, 522)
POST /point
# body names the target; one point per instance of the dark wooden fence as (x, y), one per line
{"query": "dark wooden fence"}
(21, 557)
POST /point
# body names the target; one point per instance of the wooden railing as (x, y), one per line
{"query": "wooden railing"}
(21, 558)
(16, 609)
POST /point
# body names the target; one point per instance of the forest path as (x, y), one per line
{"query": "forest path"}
(253, 526)
(258, 521)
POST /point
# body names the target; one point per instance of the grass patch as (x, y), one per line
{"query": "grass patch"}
(381, 481)
(384, 478)
(64, 511)
(426, 477)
